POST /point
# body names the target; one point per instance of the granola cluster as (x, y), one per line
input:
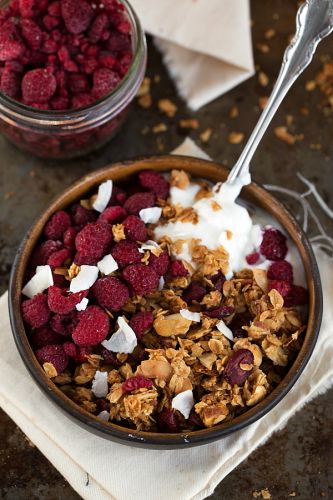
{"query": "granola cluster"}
(137, 335)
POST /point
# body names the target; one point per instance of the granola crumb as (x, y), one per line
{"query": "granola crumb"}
(189, 123)
(206, 135)
(235, 137)
(270, 33)
(310, 85)
(285, 136)
(50, 370)
(9, 195)
(292, 494)
(167, 107)
(118, 232)
(145, 101)
(265, 493)
(304, 111)
(263, 79)
(234, 112)
(263, 48)
(159, 128)
(145, 87)
(263, 101)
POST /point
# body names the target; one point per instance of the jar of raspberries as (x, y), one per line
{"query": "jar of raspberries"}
(69, 70)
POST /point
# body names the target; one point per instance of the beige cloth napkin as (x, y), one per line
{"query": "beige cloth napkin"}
(206, 44)
(101, 470)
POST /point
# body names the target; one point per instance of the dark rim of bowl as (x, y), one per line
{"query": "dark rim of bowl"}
(148, 439)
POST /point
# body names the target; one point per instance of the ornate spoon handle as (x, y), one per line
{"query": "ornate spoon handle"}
(314, 22)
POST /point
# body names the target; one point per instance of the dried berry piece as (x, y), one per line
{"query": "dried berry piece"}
(155, 182)
(11, 44)
(77, 15)
(113, 215)
(167, 421)
(110, 293)
(69, 237)
(139, 201)
(281, 270)
(44, 336)
(60, 302)
(283, 287)
(82, 216)
(54, 354)
(252, 258)
(10, 83)
(38, 86)
(196, 291)
(298, 296)
(105, 80)
(32, 33)
(273, 245)
(141, 322)
(143, 279)
(195, 420)
(57, 259)
(233, 373)
(35, 311)
(135, 383)
(218, 279)
(43, 252)
(125, 253)
(177, 269)
(98, 27)
(70, 349)
(135, 228)
(93, 240)
(118, 196)
(93, 327)
(220, 311)
(160, 264)
(110, 358)
(57, 225)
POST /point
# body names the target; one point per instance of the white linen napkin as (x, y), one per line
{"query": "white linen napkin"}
(102, 470)
(206, 44)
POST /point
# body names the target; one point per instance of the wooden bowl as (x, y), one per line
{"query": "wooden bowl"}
(119, 172)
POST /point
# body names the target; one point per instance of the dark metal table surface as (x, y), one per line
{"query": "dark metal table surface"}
(297, 461)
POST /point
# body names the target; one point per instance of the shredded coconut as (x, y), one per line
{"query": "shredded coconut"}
(123, 340)
(183, 402)
(104, 415)
(103, 196)
(82, 306)
(107, 265)
(222, 327)
(150, 215)
(100, 384)
(85, 279)
(192, 316)
(39, 282)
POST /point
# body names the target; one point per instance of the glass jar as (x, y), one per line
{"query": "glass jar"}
(72, 133)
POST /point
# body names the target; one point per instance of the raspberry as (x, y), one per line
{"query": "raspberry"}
(105, 80)
(110, 358)
(11, 44)
(195, 420)
(283, 287)
(81, 216)
(59, 103)
(167, 421)
(143, 279)
(99, 25)
(69, 237)
(102, 405)
(82, 353)
(119, 42)
(194, 292)
(220, 311)
(141, 322)
(57, 225)
(31, 33)
(155, 182)
(64, 324)
(135, 228)
(43, 252)
(62, 303)
(35, 311)
(81, 100)
(44, 336)
(38, 86)
(88, 260)
(27, 8)
(281, 270)
(93, 327)
(94, 240)
(110, 293)
(160, 264)
(125, 253)
(138, 201)
(77, 15)
(78, 83)
(54, 354)
(252, 258)
(54, 9)
(10, 83)
(112, 215)
(57, 259)
(273, 245)
(177, 269)
(118, 196)
(70, 349)
(298, 296)
(135, 383)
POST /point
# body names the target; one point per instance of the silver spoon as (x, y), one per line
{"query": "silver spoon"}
(314, 22)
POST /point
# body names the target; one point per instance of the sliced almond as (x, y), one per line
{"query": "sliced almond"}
(156, 368)
(174, 324)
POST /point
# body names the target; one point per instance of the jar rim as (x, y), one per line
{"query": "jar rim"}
(73, 118)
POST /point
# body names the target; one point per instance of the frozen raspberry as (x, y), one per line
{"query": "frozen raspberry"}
(64, 324)
(11, 44)
(98, 27)
(94, 240)
(141, 322)
(281, 270)
(283, 287)
(54, 354)
(27, 8)
(57, 259)
(78, 83)
(155, 182)
(110, 293)
(10, 83)
(93, 327)
(61, 302)
(105, 80)
(177, 269)
(167, 421)
(112, 215)
(135, 383)
(110, 358)
(69, 237)
(298, 296)
(38, 86)
(82, 353)
(81, 100)
(77, 15)
(160, 264)
(125, 253)
(57, 225)
(135, 228)
(81, 216)
(195, 291)
(81, 259)
(32, 33)
(118, 42)
(220, 311)
(252, 258)
(35, 311)
(143, 279)
(54, 9)
(44, 336)
(138, 201)
(70, 349)
(59, 103)
(43, 252)
(118, 196)
(273, 245)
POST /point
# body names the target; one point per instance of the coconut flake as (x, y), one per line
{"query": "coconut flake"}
(104, 415)
(39, 282)
(150, 215)
(107, 265)
(183, 402)
(100, 384)
(222, 327)
(103, 196)
(123, 340)
(161, 283)
(149, 245)
(85, 279)
(82, 306)
(192, 316)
